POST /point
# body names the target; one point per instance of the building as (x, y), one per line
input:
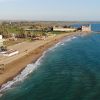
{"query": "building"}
(10, 53)
(62, 29)
(1, 40)
(86, 28)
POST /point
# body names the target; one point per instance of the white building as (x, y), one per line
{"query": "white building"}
(10, 53)
(86, 28)
(64, 29)
(1, 40)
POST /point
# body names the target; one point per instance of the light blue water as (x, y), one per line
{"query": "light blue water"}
(70, 71)
(95, 27)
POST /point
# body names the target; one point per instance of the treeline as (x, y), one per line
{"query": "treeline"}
(19, 29)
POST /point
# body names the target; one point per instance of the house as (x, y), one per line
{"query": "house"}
(1, 40)
(86, 28)
(64, 29)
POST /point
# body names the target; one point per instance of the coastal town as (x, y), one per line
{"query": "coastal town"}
(23, 43)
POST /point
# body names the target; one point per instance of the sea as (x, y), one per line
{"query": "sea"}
(70, 70)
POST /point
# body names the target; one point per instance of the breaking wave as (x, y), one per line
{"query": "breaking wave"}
(23, 75)
(68, 39)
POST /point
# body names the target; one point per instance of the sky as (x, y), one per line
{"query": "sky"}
(50, 10)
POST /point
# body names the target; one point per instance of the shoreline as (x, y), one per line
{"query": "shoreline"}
(17, 66)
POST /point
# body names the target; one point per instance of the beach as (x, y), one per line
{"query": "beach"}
(29, 52)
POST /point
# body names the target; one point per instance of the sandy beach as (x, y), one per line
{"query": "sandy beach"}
(28, 52)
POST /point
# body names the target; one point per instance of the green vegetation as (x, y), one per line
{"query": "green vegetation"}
(8, 30)
(57, 32)
(22, 30)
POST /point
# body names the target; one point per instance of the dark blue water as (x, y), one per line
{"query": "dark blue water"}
(70, 71)
(96, 27)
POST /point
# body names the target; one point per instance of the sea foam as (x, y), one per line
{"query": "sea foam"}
(23, 75)
(68, 39)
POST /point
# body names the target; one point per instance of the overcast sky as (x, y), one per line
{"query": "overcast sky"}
(67, 10)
